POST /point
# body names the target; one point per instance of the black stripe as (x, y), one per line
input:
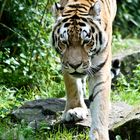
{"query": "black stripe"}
(53, 39)
(100, 38)
(93, 30)
(56, 26)
(84, 19)
(98, 67)
(98, 84)
(77, 6)
(97, 51)
(74, 6)
(96, 38)
(75, 17)
(105, 27)
(66, 24)
(65, 20)
(82, 11)
(69, 11)
(92, 23)
(65, 15)
(83, 14)
(102, 64)
(82, 24)
(85, 5)
(57, 50)
(58, 30)
(92, 96)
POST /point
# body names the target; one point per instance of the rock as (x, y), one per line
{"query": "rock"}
(128, 127)
(123, 117)
(119, 111)
(40, 110)
(129, 62)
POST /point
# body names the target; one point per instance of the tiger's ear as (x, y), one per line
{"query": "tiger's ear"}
(95, 10)
(57, 9)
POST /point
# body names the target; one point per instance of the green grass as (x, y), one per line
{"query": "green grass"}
(127, 88)
(11, 131)
(126, 93)
(120, 45)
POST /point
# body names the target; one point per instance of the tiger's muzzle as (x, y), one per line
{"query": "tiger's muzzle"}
(76, 70)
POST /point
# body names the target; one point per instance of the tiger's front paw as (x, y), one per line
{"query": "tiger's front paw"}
(75, 114)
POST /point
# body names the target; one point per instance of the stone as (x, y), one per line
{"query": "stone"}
(129, 62)
(123, 117)
(129, 126)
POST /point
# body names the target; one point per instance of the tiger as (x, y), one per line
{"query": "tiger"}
(82, 36)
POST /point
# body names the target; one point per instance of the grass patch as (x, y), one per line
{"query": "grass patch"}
(120, 45)
(10, 131)
(128, 88)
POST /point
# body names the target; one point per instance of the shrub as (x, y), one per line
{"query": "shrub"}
(26, 57)
(127, 19)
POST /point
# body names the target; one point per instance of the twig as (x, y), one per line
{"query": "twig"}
(2, 8)
(37, 34)
(13, 31)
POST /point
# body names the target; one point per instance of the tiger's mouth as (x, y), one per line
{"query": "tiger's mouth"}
(78, 75)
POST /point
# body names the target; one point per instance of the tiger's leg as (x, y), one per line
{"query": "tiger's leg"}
(100, 104)
(75, 108)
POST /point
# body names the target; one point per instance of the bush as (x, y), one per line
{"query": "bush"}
(26, 57)
(127, 19)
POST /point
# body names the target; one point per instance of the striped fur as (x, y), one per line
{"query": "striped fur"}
(82, 35)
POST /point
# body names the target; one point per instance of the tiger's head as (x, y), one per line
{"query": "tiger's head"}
(78, 36)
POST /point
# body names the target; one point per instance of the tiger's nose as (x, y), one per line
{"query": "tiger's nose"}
(75, 66)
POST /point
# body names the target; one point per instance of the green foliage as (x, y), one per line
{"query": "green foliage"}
(7, 101)
(127, 18)
(29, 67)
(11, 98)
(26, 57)
(128, 91)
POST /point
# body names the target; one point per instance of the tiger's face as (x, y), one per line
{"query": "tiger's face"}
(78, 39)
